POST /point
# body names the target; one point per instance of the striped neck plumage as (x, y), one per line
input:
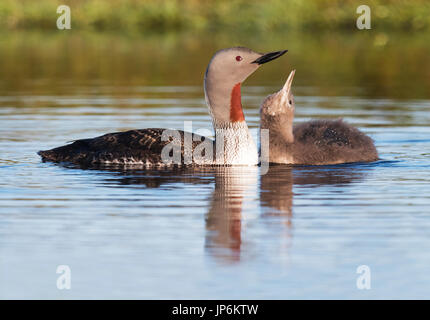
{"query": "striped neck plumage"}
(231, 131)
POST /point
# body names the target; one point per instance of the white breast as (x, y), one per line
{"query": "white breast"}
(235, 145)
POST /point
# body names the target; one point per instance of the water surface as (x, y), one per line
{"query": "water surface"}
(295, 232)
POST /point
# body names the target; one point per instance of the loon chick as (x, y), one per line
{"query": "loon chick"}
(225, 73)
(316, 142)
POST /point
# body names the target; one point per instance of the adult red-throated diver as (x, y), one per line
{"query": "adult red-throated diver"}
(316, 142)
(225, 73)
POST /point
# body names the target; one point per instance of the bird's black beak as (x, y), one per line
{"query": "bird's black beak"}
(269, 57)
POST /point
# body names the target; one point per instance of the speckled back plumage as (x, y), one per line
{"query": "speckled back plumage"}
(142, 147)
(331, 142)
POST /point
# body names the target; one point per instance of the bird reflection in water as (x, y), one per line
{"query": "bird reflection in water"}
(228, 210)
(233, 199)
(225, 215)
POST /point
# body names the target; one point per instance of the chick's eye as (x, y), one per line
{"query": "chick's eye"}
(239, 58)
(290, 102)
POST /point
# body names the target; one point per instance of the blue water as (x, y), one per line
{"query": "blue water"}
(295, 232)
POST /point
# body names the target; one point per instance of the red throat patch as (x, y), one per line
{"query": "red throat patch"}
(236, 112)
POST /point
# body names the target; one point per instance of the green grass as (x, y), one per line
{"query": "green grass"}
(227, 15)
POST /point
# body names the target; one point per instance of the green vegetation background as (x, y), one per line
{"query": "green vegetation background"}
(169, 42)
(238, 15)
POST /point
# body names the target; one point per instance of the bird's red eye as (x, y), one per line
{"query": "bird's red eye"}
(239, 58)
